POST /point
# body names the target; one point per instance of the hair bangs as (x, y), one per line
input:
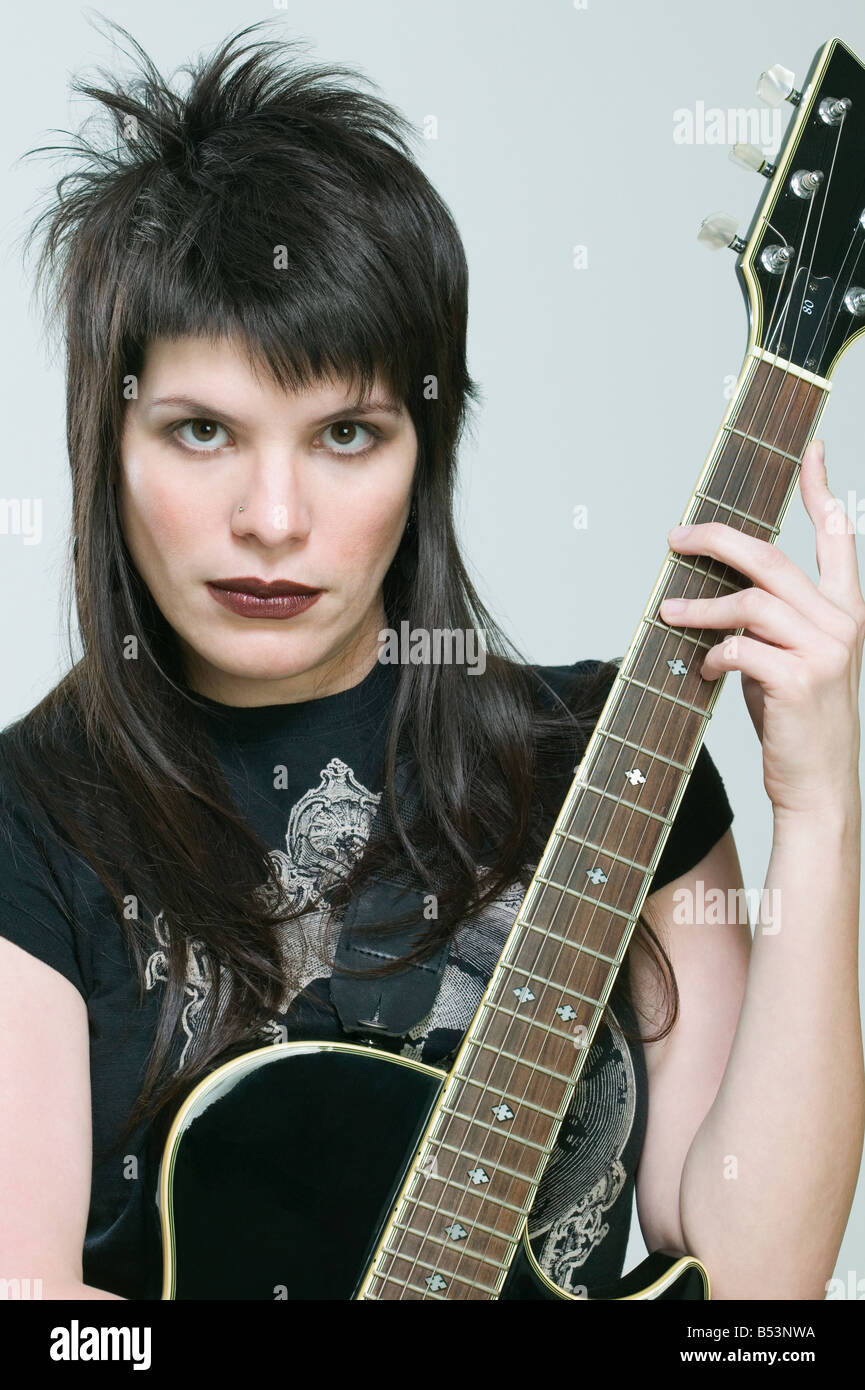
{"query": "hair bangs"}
(268, 203)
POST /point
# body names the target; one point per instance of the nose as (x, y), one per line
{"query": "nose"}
(272, 502)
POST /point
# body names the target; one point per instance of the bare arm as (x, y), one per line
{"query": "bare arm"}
(45, 1135)
(710, 963)
(757, 1098)
(768, 1182)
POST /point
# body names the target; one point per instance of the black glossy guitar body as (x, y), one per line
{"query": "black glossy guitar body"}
(283, 1166)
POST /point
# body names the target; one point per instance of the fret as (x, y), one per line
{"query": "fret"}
(552, 984)
(768, 413)
(493, 1129)
(685, 564)
(447, 1244)
(564, 959)
(646, 778)
(688, 636)
(638, 748)
(424, 1264)
(496, 1165)
(737, 511)
(522, 1103)
(790, 368)
(514, 1057)
(611, 796)
(602, 849)
(663, 694)
(481, 1196)
(488, 1068)
(514, 1124)
(596, 902)
(731, 429)
(475, 1225)
(533, 1023)
(545, 1048)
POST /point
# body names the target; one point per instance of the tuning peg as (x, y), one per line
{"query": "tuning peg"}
(719, 229)
(750, 157)
(776, 85)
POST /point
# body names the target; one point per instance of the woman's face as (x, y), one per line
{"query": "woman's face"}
(325, 492)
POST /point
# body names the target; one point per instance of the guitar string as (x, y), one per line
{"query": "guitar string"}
(740, 447)
(504, 1136)
(527, 1020)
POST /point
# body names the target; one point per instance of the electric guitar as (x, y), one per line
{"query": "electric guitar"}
(378, 1177)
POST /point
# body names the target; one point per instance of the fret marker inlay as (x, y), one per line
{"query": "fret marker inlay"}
(596, 875)
(566, 1012)
(504, 1111)
(634, 775)
(524, 994)
(677, 666)
(456, 1231)
(434, 1282)
(478, 1176)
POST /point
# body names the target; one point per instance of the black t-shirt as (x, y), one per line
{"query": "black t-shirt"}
(307, 777)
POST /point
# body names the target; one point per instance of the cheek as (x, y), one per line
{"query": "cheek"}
(370, 529)
(161, 514)
(368, 520)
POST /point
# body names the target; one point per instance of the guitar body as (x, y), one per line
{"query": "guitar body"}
(282, 1168)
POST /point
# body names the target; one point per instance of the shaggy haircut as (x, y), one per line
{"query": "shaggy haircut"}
(275, 205)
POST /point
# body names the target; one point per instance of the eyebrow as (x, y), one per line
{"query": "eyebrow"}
(210, 412)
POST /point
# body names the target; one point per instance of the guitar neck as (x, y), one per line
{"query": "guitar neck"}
(462, 1211)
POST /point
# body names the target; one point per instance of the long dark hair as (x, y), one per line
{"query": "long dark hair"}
(168, 228)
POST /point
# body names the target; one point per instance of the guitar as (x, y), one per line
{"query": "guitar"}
(378, 1177)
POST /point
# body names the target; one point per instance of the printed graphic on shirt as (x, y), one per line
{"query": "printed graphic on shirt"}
(327, 828)
(585, 1176)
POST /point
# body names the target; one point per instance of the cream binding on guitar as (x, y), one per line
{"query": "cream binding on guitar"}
(376, 1177)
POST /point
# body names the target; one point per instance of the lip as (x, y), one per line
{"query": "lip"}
(265, 588)
(253, 598)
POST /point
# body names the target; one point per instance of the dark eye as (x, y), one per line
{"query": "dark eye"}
(203, 433)
(346, 432)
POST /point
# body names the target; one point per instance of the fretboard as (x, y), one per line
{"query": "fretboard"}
(464, 1206)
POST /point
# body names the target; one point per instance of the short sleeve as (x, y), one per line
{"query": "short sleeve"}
(704, 813)
(34, 913)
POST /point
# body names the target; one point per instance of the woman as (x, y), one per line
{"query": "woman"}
(260, 273)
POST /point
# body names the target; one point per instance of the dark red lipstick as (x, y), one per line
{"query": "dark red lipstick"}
(259, 598)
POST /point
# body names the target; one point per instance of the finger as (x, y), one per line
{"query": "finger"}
(770, 618)
(769, 666)
(837, 560)
(770, 568)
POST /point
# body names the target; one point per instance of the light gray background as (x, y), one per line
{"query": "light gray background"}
(603, 386)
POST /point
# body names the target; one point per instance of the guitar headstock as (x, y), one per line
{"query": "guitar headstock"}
(802, 262)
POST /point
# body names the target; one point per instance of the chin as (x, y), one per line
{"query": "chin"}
(276, 655)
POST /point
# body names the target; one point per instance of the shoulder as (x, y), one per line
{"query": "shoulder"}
(40, 875)
(581, 682)
(38, 753)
